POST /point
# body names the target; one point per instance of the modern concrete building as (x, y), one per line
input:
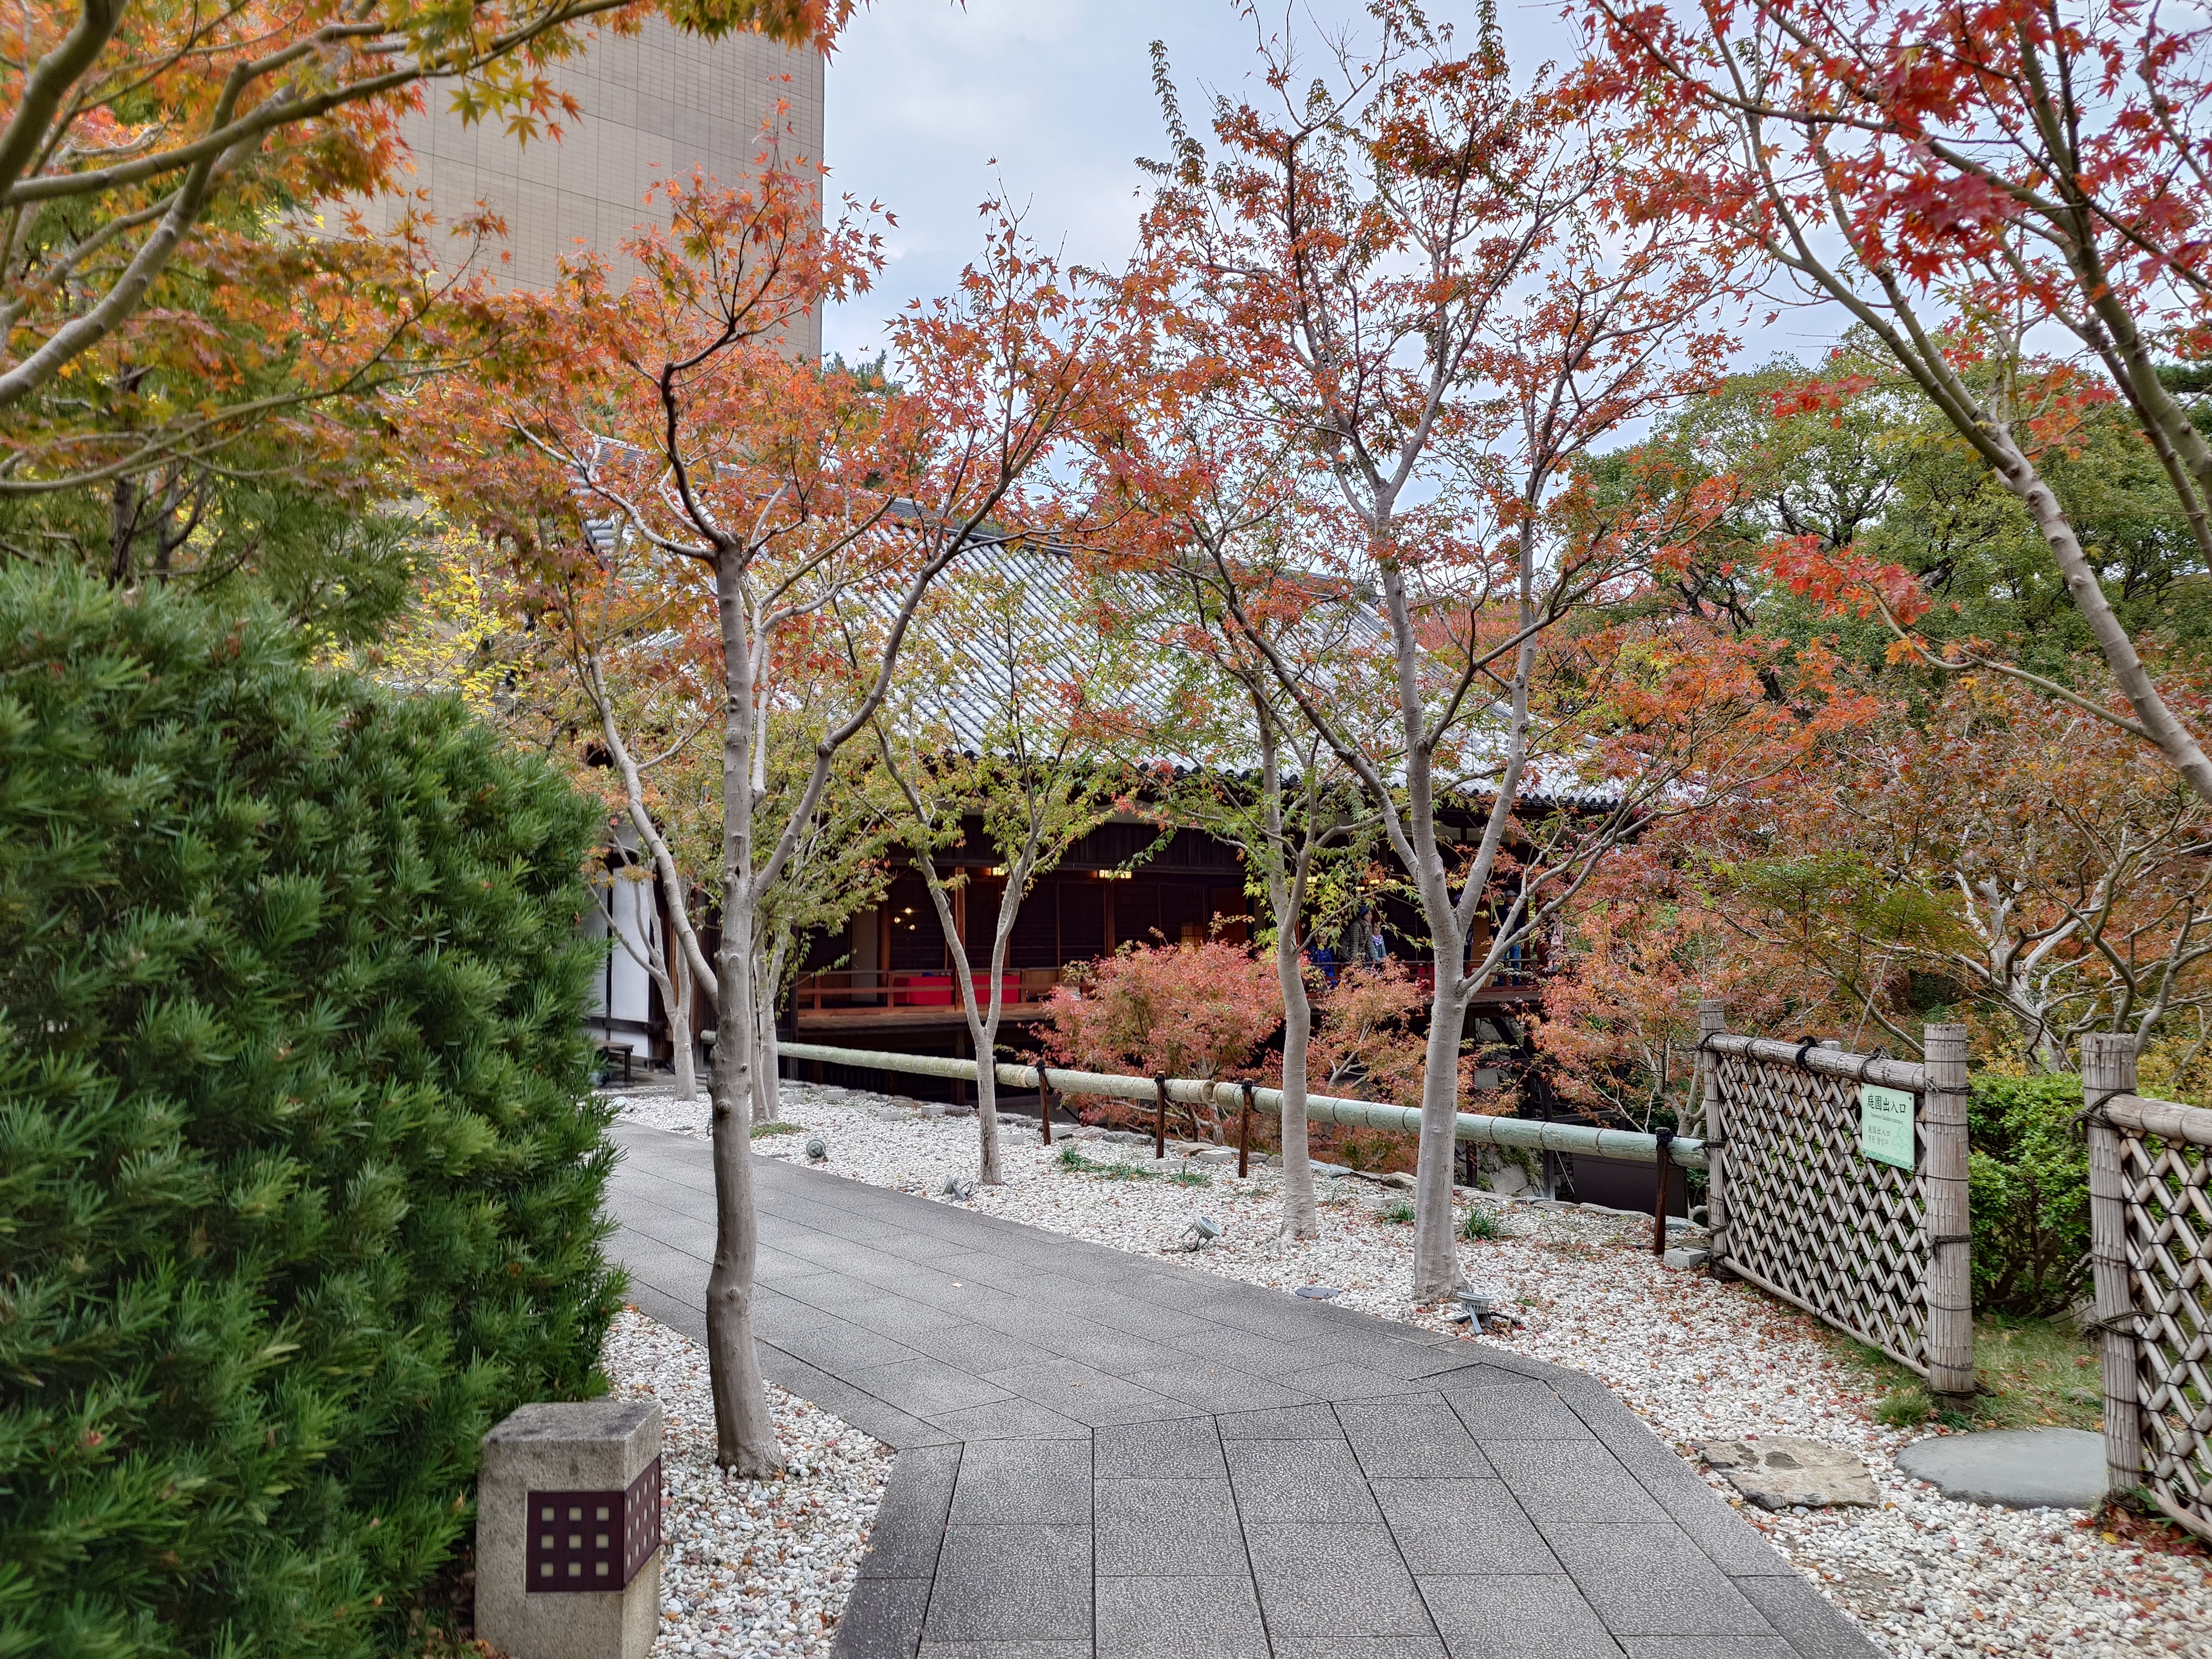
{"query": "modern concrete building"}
(655, 105)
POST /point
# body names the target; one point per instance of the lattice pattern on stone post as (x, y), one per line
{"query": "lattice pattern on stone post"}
(1876, 1250)
(2150, 1217)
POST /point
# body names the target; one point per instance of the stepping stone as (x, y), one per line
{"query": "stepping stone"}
(1777, 1471)
(2018, 1468)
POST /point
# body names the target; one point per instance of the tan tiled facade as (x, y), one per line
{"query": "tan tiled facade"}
(654, 105)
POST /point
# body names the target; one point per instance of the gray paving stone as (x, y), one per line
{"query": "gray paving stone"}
(1012, 1584)
(1341, 1380)
(909, 1522)
(1511, 1410)
(978, 1348)
(924, 1386)
(1411, 1438)
(1010, 1419)
(1807, 1619)
(851, 1274)
(1005, 1483)
(1167, 1528)
(1569, 1480)
(1180, 1448)
(1216, 1387)
(883, 1618)
(1464, 1526)
(1312, 1480)
(1179, 1618)
(1309, 1422)
(1075, 1390)
(1334, 1582)
(1509, 1616)
(1650, 1580)
(834, 1394)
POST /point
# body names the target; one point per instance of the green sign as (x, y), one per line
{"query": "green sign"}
(1885, 1125)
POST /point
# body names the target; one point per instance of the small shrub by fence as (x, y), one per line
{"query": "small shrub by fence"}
(1880, 1250)
(2150, 1220)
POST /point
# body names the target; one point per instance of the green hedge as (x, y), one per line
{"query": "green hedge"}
(2028, 1187)
(300, 1175)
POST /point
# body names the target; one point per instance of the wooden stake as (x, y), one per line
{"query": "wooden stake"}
(1713, 1123)
(2108, 1068)
(1244, 1136)
(1160, 1122)
(1044, 1105)
(1950, 1227)
(1662, 1169)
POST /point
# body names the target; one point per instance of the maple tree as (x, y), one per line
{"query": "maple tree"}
(166, 170)
(1973, 182)
(1427, 275)
(1203, 1011)
(815, 509)
(1016, 714)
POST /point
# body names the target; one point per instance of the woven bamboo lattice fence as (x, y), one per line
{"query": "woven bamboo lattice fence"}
(1879, 1250)
(2150, 1220)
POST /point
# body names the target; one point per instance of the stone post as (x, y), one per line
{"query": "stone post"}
(568, 1531)
(1712, 1125)
(1950, 1289)
(2108, 1068)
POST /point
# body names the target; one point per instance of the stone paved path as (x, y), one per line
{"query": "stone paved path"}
(1105, 1454)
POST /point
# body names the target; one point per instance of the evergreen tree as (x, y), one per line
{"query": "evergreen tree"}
(300, 1175)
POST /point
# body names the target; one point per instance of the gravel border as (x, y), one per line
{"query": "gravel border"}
(1696, 1358)
(750, 1569)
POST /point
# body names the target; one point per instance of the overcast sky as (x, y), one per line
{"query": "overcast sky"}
(924, 93)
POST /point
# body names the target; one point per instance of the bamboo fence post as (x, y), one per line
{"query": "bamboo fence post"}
(1950, 1290)
(1044, 1104)
(1244, 1136)
(1160, 1119)
(1712, 1124)
(2108, 1068)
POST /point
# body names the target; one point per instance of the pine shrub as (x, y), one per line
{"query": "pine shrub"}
(300, 1173)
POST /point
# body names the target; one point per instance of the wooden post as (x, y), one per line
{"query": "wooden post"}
(1712, 1124)
(2108, 1067)
(1663, 1167)
(1950, 1289)
(1244, 1136)
(1160, 1122)
(1044, 1105)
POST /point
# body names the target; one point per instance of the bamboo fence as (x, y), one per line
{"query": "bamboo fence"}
(2150, 1223)
(1880, 1252)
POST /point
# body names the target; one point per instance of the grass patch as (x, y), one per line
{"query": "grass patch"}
(761, 1130)
(1398, 1213)
(1072, 1157)
(2033, 1374)
(1481, 1224)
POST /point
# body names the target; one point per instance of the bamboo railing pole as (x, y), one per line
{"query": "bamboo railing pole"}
(2108, 1067)
(1950, 1289)
(1712, 1020)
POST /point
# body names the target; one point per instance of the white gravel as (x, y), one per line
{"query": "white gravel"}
(750, 1569)
(1697, 1359)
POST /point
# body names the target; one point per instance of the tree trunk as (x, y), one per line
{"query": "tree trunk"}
(767, 1098)
(1298, 1210)
(984, 1041)
(679, 1023)
(745, 1429)
(1435, 1259)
